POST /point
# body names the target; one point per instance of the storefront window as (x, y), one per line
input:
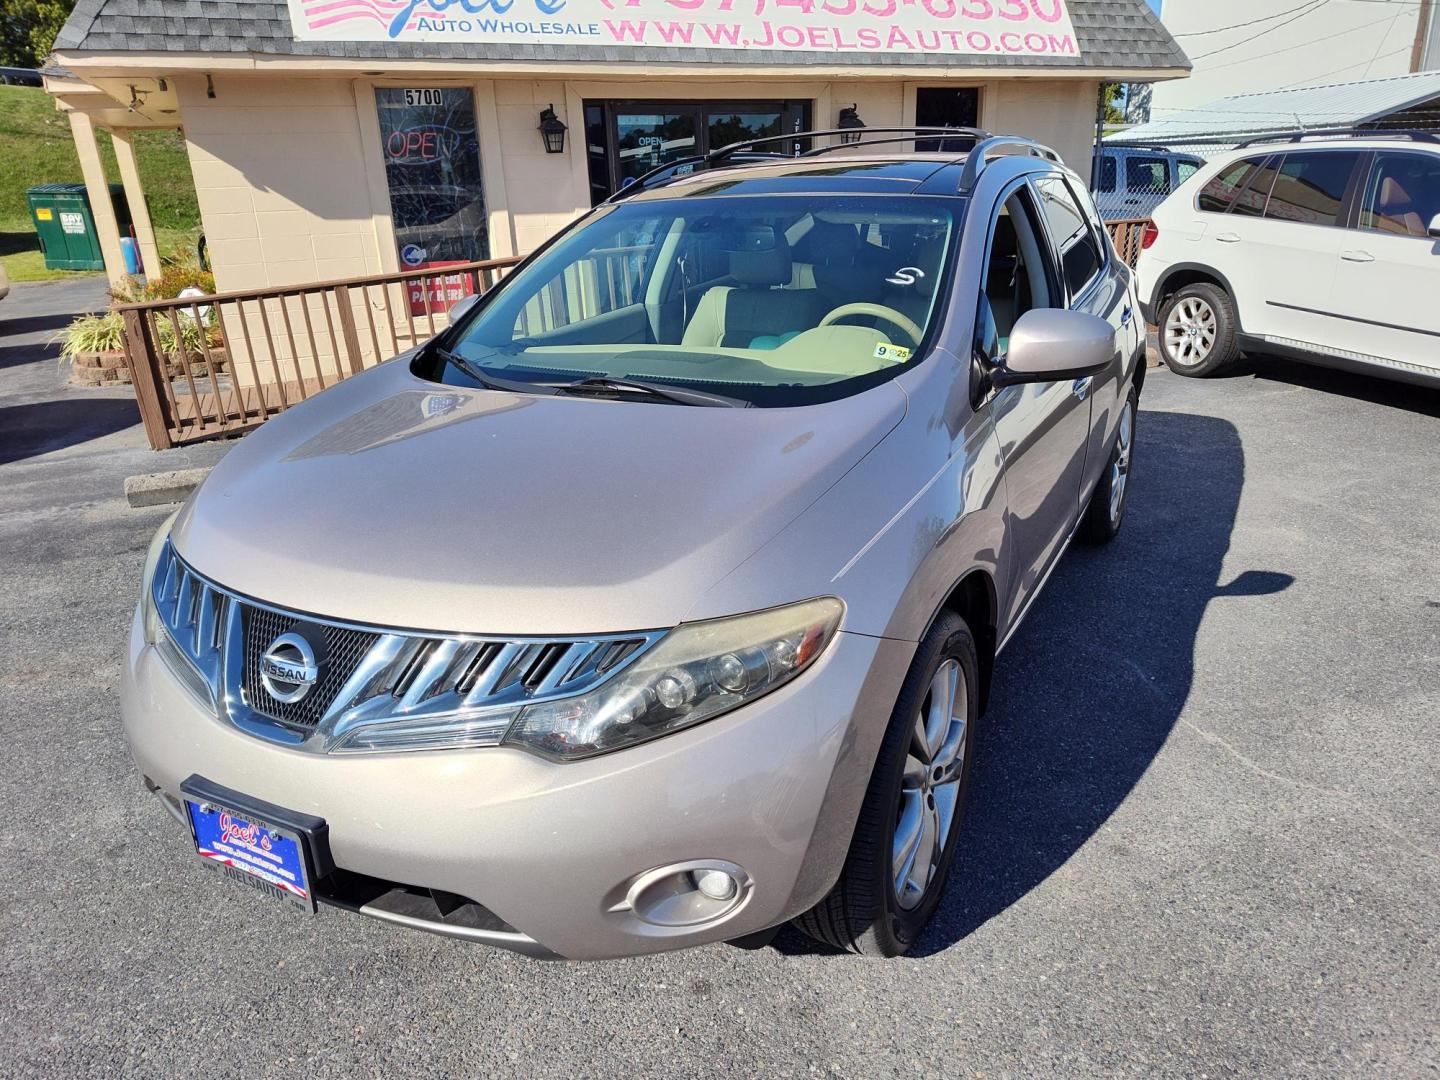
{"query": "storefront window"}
(627, 139)
(432, 167)
(648, 140)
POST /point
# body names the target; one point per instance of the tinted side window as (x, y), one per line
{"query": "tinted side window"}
(1105, 175)
(1403, 194)
(1256, 193)
(1079, 250)
(1186, 169)
(1310, 187)
(1150, 175)
(1018, 277)
(1220, 192)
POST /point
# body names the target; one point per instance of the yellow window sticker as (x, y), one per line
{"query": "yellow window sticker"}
(896, 354)
(44, 213)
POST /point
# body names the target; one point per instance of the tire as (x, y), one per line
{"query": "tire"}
(1199, 331)
(1105, 512)
(866, 912)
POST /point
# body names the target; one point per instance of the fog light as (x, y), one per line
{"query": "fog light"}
(688, 894)
(716, 884)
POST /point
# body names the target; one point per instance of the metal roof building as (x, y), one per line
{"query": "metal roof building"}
(1403, 101)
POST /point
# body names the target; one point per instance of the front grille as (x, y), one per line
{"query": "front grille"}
(214, 640)
(345, 649)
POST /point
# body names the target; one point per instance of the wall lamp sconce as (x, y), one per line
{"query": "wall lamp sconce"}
(850, 125)
(552, 131)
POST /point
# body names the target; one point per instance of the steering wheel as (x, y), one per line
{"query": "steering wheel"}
(879, 311)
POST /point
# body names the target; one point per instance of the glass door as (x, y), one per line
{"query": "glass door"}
(726, 126)
(627, 139)
(645, 139)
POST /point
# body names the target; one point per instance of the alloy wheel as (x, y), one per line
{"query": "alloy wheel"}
(1120, 467)
(1190, 331)
(930, 788)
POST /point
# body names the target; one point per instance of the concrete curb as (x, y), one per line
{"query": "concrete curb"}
(163, 488)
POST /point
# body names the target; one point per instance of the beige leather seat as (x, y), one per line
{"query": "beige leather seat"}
(756, 312)
(1398, 212)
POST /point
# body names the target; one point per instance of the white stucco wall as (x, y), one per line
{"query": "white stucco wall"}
(291, 184)
(279, 174)
(1339, 41)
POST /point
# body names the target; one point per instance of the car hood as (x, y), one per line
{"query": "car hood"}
(393, 501)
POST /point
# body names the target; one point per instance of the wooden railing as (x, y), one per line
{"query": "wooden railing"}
(217, 365)
(1127, 235)
(210, 366)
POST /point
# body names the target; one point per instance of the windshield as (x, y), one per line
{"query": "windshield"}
(772, 300)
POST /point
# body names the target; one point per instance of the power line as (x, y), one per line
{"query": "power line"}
(1303, 44)
(1309, 9)
(1337, 71)
(1287, 11)
(1383, 38)
(1237, 26)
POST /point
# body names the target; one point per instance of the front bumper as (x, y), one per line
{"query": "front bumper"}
(551, 849)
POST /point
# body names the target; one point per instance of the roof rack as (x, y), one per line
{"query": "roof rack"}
(983, 143)
(1302, 134)
(975, 135)
(979, 157)
(907, 134)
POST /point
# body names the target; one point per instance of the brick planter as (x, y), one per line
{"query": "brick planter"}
(99, 369)
(110, 369)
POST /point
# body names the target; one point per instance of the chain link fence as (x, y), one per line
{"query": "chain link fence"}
(1130, 178)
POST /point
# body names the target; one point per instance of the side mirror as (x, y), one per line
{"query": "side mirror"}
(1435, 226)
(1052, 345)
(460, 307)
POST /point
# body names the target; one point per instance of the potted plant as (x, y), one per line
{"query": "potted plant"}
(95, 347)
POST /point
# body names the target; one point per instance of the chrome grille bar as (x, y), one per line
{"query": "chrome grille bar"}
(395, 675)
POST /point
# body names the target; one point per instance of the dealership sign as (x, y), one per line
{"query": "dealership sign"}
(895, 27)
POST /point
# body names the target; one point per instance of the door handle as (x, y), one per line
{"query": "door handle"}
(1081, 387)
(1228, 237)
(1126, 315)
(1357, 256)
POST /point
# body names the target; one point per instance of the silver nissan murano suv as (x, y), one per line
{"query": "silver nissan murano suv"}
(655, 601)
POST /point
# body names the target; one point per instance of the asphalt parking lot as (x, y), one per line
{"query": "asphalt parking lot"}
(1203, 834)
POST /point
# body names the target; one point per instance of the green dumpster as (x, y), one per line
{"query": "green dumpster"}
(66, 227)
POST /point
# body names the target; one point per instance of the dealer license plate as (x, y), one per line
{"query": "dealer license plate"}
(251, 852)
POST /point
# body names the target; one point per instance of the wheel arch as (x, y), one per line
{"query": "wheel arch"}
(1177, 276)
(974, 599)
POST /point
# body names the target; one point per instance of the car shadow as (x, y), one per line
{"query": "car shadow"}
(46, 426)
(1371, 388)
(1089, 689)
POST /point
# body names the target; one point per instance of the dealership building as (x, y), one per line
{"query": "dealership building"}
(337, 138)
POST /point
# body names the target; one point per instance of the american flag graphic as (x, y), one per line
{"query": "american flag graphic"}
(321, 14)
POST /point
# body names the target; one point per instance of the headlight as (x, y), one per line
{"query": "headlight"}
(697, 672)
(149, 616)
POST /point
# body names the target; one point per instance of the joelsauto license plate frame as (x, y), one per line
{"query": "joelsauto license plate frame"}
(274, 851)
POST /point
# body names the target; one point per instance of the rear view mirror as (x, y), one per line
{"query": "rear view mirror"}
(460, 307)
(1435, 226)
(1052, 345)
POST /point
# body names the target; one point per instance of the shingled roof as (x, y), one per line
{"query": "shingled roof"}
(1116, 34)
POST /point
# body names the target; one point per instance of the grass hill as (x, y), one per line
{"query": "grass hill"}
(35, 148)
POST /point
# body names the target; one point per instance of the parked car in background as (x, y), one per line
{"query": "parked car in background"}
(1130, 182)
(15, 76)
(616, 620)
(1324, 249)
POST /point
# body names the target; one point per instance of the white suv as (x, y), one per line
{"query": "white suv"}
(1326, 251)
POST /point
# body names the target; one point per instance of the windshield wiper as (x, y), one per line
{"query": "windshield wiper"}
(492, 382)
(601, 385)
